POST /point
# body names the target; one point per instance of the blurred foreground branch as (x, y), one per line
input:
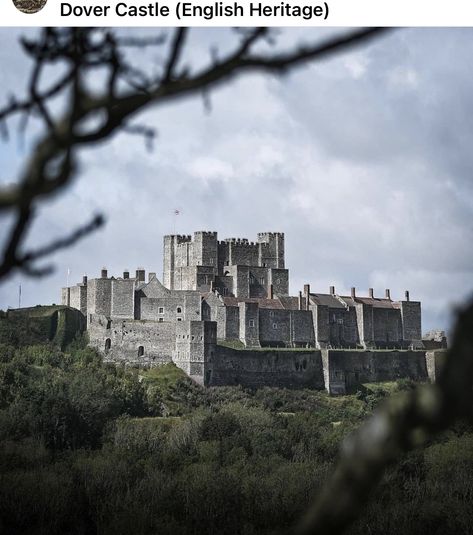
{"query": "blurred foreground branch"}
(92, 115)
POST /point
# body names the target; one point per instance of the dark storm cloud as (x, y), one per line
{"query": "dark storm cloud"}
(362, 160)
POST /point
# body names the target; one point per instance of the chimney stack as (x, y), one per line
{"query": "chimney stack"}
(84, 280)
(212, 286)
(388, 294)
(353, 292)
(332, 290)
(407, 295)
(151, 276)
(306, 294)
(271, 292)
(140, 275)
(126, 274)
(300, 300)
(103, 274)
(371, 293)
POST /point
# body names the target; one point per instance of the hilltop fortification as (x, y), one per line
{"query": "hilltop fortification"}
(224, 314)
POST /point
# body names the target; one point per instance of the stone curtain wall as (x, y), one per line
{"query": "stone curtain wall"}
(338, 371)
(281, 368)
(347, 369)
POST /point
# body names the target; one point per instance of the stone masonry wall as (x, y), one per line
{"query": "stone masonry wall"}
(435, 362)
(195, 349)
(99, 296)
(347, 369)
(282, 368)
(123, 298)
(157, 340)
(386, 326)
(411, 320)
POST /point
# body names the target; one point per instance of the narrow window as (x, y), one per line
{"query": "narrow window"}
(108, 344)
(109, 324)
(161, 320)
(141, 351)
(251, 323)
(275, 325)
(161, 310)
(179, 310)
(261, 280)
(271, 313)
(179, 319)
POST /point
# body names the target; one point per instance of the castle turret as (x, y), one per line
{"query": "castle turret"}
(271, 249)
(205, 248)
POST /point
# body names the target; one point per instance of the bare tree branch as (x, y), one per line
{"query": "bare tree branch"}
(51, 164)
(176, 50)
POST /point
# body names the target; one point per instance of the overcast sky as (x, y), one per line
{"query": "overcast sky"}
(364, 161)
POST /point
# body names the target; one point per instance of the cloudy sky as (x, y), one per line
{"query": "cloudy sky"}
(363, 160)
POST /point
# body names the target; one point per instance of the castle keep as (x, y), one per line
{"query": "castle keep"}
(218, 296)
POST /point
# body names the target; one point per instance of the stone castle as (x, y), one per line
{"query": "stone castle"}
(224, 315)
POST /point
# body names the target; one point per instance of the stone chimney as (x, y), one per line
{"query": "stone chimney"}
(126, 274)
(371, 293)
(151, 276)
(271, 291)
(307, 294)
(388, 294)
(353, 292)
(300, 300)
(332, 290)
(140, 275)
(84, 280)
(212, 286)
(407, 295)
(104, 273)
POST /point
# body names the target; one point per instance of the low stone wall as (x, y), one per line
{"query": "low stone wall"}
(283, 368)
(346, 369)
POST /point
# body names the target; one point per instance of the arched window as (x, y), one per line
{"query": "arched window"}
(109, 324)
(141, 351)
(179, 310)
(108, 344)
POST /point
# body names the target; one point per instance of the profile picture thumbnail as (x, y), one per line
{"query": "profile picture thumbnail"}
(29, 6)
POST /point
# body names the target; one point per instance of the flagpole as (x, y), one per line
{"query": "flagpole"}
(19, 296)
(176, 213)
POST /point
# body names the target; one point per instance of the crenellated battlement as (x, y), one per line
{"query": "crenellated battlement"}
(182, 252)
(265, 236)
(207, 233)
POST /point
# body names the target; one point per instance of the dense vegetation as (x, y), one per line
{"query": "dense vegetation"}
(90, 447)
